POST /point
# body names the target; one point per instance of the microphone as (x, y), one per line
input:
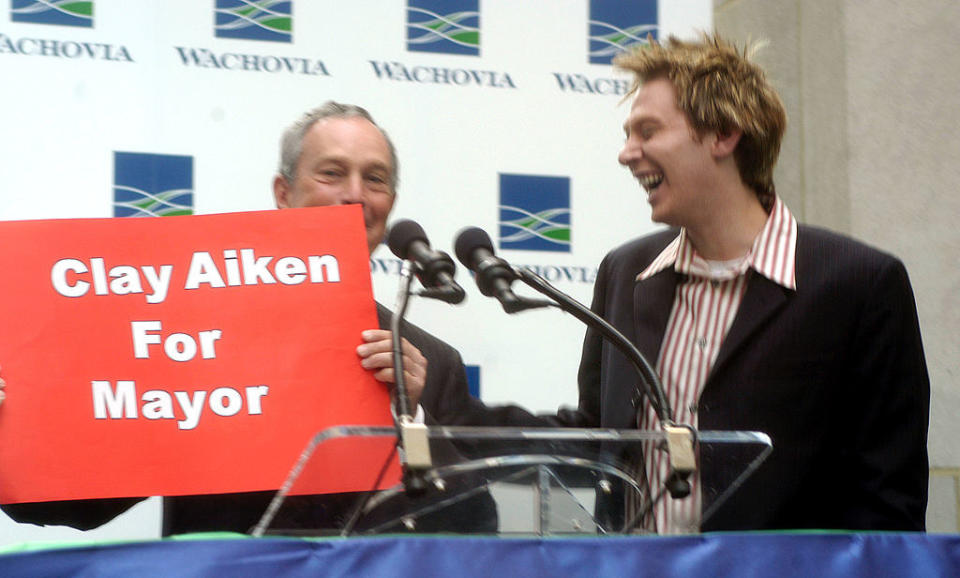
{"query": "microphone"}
(435, 269)
(494, 275)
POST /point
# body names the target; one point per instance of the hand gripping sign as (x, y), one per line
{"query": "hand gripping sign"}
(181, 355)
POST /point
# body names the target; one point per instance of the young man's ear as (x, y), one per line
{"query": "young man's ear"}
(725, 144)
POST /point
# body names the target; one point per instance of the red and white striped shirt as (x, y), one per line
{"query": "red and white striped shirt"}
(705, 304)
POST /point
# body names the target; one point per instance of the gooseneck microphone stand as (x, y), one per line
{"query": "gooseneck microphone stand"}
(680, 438)
(412, 438)
(408, 241)
(649, 378)
(400, 310)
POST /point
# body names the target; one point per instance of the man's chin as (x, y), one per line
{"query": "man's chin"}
(656, 210)
(374, 240)
(661, 216)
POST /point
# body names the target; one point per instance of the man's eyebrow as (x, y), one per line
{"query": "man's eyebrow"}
(330, 159)
(378, 165)
(636, 121)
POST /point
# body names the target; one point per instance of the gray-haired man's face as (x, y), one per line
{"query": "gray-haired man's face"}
(343, 161)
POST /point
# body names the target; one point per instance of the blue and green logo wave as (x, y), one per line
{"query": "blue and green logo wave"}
(56, 12)
(615, 25)
(451, 27)
(535, 213)
(152, 185)
(270, 20)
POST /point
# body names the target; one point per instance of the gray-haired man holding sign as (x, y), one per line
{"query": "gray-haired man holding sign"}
(334, 155)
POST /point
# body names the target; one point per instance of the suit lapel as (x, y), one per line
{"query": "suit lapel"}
(761, 301)
(652, 302)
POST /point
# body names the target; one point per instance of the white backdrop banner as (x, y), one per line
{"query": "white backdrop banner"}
(506, 114)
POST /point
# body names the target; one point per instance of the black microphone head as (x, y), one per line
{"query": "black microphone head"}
(402, 234)
(468, 241)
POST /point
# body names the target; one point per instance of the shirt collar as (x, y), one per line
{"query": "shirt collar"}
(772, 255)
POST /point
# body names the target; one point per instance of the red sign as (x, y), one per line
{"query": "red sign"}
(182, 355)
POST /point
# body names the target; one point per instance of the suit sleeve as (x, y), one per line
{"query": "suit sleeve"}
(447, 402)
(466, 410)
(889, 410)
(447, 399)
(79, 514)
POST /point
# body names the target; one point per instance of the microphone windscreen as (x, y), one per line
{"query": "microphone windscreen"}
(402, 234)
(468, 241)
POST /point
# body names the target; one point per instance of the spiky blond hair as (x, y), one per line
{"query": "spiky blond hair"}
(720, 90)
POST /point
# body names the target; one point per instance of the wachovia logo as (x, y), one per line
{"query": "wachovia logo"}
(254, 20)
(152, 185)
(615, 25)
(535, 213)
(446, 26)
(57, 12)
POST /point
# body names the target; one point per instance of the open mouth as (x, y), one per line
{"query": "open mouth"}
(650, 181)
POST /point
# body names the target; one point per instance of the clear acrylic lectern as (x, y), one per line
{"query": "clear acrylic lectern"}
(543, 481)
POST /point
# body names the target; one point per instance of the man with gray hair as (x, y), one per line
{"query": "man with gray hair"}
(333, 155)
(337, 155)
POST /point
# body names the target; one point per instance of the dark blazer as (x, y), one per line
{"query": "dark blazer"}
(445, 395)
(834, 372)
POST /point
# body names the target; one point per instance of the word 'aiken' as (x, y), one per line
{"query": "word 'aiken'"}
(75, 277)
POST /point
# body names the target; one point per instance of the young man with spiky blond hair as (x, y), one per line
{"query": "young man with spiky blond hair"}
(753, 321)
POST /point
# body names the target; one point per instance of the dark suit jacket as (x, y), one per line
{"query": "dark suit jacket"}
(834, 372)
(445, 395)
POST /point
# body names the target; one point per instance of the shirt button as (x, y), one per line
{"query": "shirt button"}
(702, 342)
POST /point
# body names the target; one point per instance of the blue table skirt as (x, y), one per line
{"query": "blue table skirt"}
(751, 554)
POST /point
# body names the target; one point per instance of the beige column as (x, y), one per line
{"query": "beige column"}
(872, 90)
